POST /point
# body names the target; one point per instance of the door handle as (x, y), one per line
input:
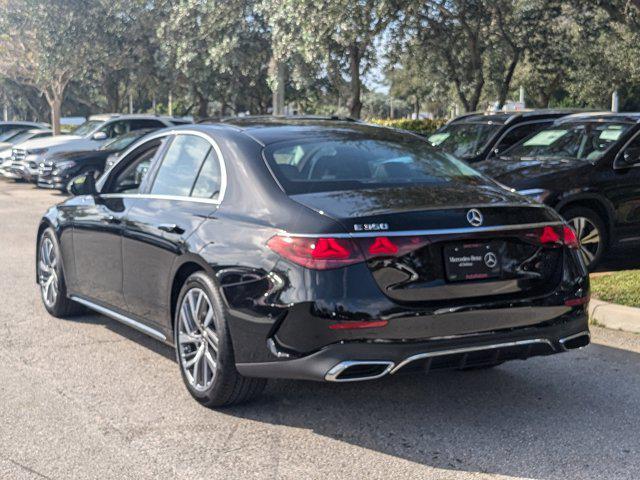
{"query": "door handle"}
(171, 228)
(113, 220)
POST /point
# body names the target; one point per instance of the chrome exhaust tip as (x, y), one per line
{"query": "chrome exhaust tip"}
(574, 342)
(358, 371)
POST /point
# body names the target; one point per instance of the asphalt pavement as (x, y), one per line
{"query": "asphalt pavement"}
(90, 398)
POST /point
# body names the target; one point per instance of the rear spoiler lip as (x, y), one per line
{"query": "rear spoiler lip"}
(433, 232)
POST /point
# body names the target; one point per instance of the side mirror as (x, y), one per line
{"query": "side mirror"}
(99, 136)
(631, 156)
(83, 185)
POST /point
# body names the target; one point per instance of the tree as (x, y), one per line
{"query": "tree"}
(219, 50)
(46, 46)
(339, 36)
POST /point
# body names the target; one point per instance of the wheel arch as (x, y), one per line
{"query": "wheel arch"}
(44, 224)
(594, 202)
(182, 270)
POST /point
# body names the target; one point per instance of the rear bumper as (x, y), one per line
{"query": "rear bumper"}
(355, 361)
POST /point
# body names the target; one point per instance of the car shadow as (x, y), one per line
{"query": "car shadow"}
(126, 332)
(546, 418)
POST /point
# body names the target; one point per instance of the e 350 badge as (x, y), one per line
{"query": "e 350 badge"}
(370, 227)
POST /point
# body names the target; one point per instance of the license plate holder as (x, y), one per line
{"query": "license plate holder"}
(467, 261)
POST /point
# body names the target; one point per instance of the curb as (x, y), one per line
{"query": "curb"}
(614, 317)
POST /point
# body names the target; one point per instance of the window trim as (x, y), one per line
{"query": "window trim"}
(174, 133)
(615, 163)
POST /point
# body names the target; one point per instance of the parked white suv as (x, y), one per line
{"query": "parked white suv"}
(27, 156)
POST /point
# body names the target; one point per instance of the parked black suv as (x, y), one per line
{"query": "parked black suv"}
(61, 169)
(475, 136)
(586, 167)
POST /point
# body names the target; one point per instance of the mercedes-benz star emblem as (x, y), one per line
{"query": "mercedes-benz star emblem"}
(474, 217)
(490, 260)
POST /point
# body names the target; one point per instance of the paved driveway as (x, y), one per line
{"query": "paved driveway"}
(89, 398)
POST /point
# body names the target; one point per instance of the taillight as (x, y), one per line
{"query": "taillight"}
(383, 246)
(317, 253)
(374, 247)
(549, 235)
(570, 237)
(557, 236)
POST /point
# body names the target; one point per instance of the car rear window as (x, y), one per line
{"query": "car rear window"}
(347, 164)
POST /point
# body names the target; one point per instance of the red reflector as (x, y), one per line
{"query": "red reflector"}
(358, 325)
(549, 235)
(316, 253)
(574, 302)
(383, 246)
(570, 237)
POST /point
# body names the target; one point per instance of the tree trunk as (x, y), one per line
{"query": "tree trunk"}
(112, 92)
(416, 107)
(55, 103)
(506, 83)
(203, 105)
(355, 105)
(279, 76)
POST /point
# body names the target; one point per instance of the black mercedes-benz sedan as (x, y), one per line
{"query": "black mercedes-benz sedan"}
(312, 249)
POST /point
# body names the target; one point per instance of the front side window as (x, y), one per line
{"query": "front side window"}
(578, 140)
(117, 128)
(345, 164)
(130, 178)
(181, 166)
(464, 140)
(516, 134)
(87, 127)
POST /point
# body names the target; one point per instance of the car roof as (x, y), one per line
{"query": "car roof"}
(504, 118)
(103, 117)
(25, 123)
(606, 116)
(269, 129)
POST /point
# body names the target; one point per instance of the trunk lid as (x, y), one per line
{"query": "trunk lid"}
(440, 244)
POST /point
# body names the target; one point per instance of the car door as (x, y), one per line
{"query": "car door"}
(183, 191)
(623, 189)
(98, 227)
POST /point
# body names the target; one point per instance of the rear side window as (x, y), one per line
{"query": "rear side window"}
(209, 179)
(346, 164)
(518, 133)
(190, 167)
(145, 123)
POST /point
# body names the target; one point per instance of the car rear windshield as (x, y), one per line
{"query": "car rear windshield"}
(348, 164)
(464, 140)
(580, 140)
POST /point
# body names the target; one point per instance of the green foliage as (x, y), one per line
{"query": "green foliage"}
(618, 287)
(423, 126)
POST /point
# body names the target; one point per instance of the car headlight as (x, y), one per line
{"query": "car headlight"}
(37, 151)
(537, 194)
(64, 165)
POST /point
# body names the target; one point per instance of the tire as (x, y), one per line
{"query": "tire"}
(53, 288)
(584, 220)
(204, 350)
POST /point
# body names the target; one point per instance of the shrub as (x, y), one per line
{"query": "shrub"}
(422, 127)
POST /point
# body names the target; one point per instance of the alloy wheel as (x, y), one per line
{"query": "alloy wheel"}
(589, 237)
(47, 276)
(197, 339)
